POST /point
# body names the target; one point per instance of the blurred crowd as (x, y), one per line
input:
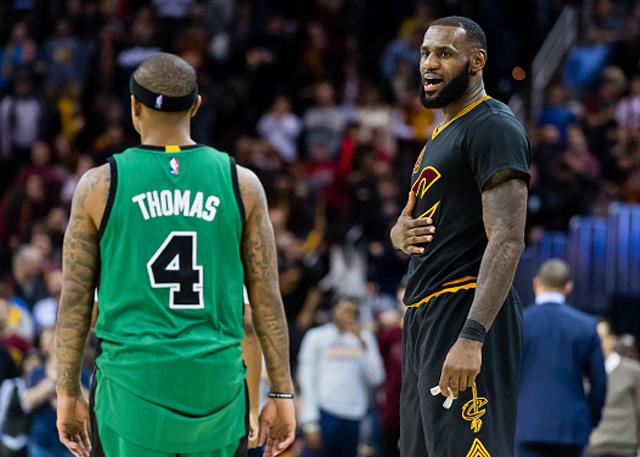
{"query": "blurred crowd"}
(320, 99)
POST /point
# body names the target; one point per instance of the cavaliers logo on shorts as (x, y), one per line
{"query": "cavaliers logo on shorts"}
(472, 410)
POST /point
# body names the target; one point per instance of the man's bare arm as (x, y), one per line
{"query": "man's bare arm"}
(504, 210)
(80, 266)
(261, 277)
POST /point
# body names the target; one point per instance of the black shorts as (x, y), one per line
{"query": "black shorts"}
(482, 427)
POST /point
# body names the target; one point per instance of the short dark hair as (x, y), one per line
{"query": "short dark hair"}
(475, 33)
(166, 74)
(554, 273)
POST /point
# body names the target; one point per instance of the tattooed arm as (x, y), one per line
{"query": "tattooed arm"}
(504, 208)
(80, 266)
(261, 277)
(252, 356)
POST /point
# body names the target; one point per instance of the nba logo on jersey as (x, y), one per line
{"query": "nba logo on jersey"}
(159, 101)
(174, 167)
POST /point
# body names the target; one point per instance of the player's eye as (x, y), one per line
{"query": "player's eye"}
(424, 54)
(444, 54)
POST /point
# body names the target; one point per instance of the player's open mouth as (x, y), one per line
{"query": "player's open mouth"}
(432, 84)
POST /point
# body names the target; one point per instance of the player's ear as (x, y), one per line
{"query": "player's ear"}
(477, 60)
(196, 106)
(136, 109)
(568, 288)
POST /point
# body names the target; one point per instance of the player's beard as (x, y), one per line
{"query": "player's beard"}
(449, 93)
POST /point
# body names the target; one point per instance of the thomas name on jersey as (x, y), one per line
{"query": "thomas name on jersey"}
(177, 203)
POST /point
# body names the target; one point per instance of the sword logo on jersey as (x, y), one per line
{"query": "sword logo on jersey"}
(174, 166)
(427, 178)
(473, 409)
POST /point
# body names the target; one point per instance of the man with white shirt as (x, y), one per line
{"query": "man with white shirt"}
(561, 350)
(618, 434)
(338, 365)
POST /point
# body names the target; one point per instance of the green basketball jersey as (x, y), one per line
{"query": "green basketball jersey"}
(170, 375)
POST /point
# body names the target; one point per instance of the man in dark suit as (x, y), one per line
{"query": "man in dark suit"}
(561, 350)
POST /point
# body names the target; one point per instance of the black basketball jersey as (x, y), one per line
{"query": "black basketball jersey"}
(448, 179)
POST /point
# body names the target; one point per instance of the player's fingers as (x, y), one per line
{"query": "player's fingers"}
(86, 436)
(262, 432)
(413, 250)
(464, 382)
(252, 441)
(411, 203)
(472, 379)
(420, 222)
(444, 381)
(414, 240)
(454, 385)
(419, 231)
(73, 448)
(285, 441)
(82, 449)
(268, 448)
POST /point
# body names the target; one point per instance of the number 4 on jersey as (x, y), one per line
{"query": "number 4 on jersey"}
(173, 266)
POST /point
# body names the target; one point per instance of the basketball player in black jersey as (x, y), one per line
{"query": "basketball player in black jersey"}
(464, 230)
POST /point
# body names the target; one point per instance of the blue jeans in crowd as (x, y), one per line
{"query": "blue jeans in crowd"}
(339, 437)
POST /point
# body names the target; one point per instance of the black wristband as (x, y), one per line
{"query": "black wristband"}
(285, 395)
(473, 330)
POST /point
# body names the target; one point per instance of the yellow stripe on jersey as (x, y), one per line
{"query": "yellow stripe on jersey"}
(447, 290)
(458, 281)
(171, 148)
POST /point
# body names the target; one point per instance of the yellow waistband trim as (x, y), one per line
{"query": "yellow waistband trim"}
(458, 281)
(446, 290)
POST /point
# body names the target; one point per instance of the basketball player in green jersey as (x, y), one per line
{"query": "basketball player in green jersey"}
(168, 232)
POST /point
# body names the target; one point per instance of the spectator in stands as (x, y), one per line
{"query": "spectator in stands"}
(324, 121)
(585, 61)
(21, 118)
(390, 342)
(403, 50)
(339, 363)
(281, 127)
(618, 434)
(66, 58)
(561, 347)
(626, 346)
(19, 52)
(600, 109)
(40, 400)
(45, 310)
(28, 284)
(579, 158)
(628, 109)
(557, 111)
(11, 340)
(142, 44)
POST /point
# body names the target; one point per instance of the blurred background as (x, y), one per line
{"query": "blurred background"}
(320, 99)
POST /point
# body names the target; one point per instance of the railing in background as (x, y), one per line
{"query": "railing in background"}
(561, 38)
(623, 257)
(604, 256)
